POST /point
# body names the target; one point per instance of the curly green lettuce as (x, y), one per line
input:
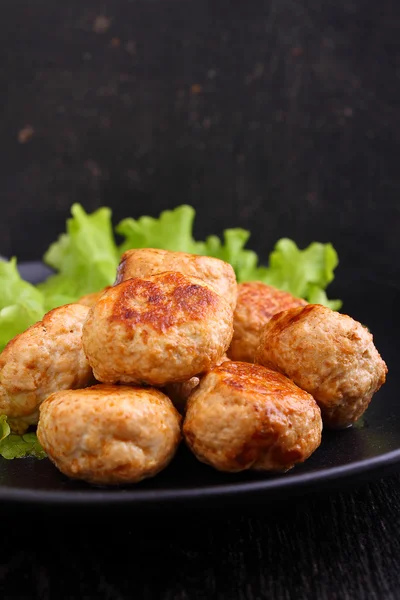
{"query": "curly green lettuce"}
(18, 446)
(85, 258)
(172, 230)
(304, 273)
(21, 303)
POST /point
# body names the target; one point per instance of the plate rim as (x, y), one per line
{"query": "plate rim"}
(302, 481)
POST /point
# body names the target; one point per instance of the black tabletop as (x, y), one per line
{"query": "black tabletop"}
(341, 544)
(279, 116)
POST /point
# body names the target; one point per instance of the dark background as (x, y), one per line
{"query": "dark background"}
(279, 116)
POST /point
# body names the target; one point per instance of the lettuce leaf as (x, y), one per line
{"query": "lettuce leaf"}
(304, 273)
(172, 230)
(4, 427)
(18, 446)
(317, 295)
(232, 250)
(85, 258)
(21, 303)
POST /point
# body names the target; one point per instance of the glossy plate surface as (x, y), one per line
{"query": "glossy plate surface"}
(368, 449)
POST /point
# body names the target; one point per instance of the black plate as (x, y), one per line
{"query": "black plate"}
(368, 449)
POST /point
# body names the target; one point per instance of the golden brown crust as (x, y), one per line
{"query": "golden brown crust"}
(257, 381)
(256, 304)
(144, 262)
(177, 300)
(48, 356)
(90, 299)
(330, 355)
(163, 329)
(244, 416)
(109, 434)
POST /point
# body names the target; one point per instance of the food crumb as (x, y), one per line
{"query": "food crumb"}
(25, 134)
(101, 24)
(115, 42)
(195, 89)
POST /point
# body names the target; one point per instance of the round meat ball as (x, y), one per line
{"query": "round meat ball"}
(90, 299)
(109, 434)
(150, 261)
(256, 304)
(45, 358)
(328, 354)
(244, 416)
(155, 331)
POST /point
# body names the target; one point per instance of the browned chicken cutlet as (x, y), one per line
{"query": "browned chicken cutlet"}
(109, 434)
(163, 329)
(256, 304)
(328, 354)
(45, 358)
(150, 261)
(244, 416)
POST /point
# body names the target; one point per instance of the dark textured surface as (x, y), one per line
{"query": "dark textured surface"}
(341, 546)
(280, 116)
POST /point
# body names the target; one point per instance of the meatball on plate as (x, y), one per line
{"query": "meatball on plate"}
(328, 354)
(256, 304)
(150, 261)
(163, 329)
(45, 358)
(109, 434)
(244, 416)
